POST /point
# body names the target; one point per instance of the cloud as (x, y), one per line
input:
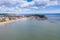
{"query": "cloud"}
(25, 6)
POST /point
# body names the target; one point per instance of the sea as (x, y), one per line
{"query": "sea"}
(48, 29)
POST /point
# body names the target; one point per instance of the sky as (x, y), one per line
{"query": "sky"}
(29, 6)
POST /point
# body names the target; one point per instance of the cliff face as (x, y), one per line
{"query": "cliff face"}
(36, 16)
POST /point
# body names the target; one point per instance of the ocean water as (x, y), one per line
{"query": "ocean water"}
(32, 29)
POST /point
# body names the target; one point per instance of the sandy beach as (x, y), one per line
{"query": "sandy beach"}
(8, 21)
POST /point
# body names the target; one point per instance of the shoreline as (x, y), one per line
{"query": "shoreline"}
(9, 21)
